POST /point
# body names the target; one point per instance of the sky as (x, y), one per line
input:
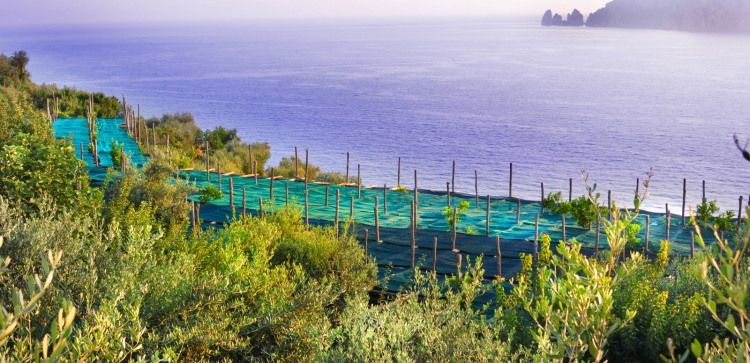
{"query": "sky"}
(32, 12)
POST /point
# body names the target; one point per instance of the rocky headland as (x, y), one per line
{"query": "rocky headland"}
(689, 15)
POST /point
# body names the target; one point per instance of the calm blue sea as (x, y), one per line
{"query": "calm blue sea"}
(484, 92)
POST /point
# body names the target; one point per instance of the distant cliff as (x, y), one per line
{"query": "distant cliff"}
(692, 15)
(574, 19)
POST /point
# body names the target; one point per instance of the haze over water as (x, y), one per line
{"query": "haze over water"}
(483, 92)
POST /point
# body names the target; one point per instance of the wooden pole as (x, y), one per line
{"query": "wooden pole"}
(448, 192)
(669, 222)
(413, 232)
(398, 183)
(336, 218)
(122, 161)
(510, 182)
(563, 229)
(231, 192)
(138, 120)
(476, 187)
(296, 164)
(692, 244)
(255, 172)
(307, 218)
(459, 267)
(377, 220)
(81, 151)
(609, 204)
(434, 255)
(637, 186)
(326, 195)
(198, 217)
(366, 238)
(307, 166)
(684, 193)
(413, 247)
(648, 226)
(244, 202)
(359, 181)
(416, 202)
(454, 227)
(487, 221)
(385, 199)
(260, 203)
(536, 237)
(518, 211)
(499, 257)
(49, 115)
(542, 198)
(273, 176)
(704, 191)
(347, 168)
(453, 178)
(570, 195)
(192, 217)
(153, 133)
(351, 209)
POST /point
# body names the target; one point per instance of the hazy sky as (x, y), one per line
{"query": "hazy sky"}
(83, 11)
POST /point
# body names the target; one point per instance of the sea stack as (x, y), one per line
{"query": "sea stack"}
(573, 19)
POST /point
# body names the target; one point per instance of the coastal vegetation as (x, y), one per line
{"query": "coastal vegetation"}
(116, 274)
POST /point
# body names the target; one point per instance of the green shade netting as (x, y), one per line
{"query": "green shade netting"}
(392, 253)
(109, 131)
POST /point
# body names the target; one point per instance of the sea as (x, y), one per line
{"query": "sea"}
(557, 102)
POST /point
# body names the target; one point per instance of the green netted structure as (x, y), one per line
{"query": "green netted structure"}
(392, 251)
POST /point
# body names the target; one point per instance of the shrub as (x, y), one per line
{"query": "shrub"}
(208, 194)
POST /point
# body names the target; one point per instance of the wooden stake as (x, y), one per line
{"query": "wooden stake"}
(398, 184)
(459, 267)
(570, 195)
(326, 195)
(499, 257)
(542, 198)
(307, 218)
(351, 209)
(198, 217)
(81, 151)
(413, 231)
(536, 237)
(385, 199)
(359, 181)
(336, 218)
(609, 204)
(453, 178)
(366, 238)
(487, 222)
(704, 191)
(286, 187)
(416, 202)
(448, 192)
(455, 211)
(273, 176)
(648, 226)
(413, 248)
(684, 193)
(563, 229)
(208, 163)
(255, 171)
(434, 255)
(347, 168)
(669, 222)
(518, 211)
(231, 192)
(49, 116)
(122, 161)
(637, 185)
(307, 166)
(260, 202)
(510, 182)
(377, 220)
(192, 217)
(244, 203)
